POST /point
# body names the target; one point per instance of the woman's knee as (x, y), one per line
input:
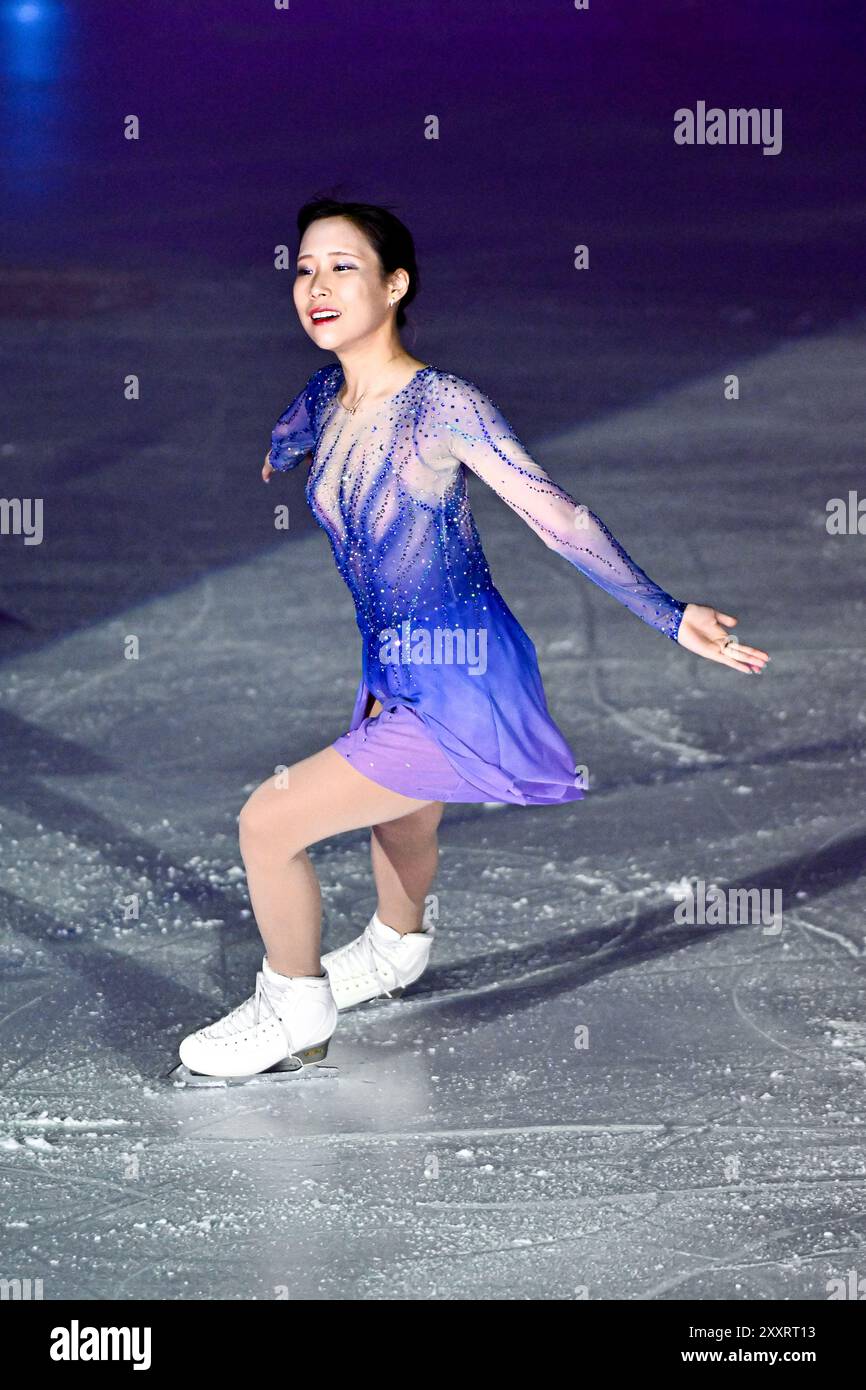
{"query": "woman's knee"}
(271, 818)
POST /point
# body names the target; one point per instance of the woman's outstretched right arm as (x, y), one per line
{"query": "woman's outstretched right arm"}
(294, 434)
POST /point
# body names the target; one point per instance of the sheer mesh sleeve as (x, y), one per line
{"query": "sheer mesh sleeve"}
(294, 434)
(479, 436)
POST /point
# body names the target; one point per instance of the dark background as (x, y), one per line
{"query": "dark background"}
(156, 256)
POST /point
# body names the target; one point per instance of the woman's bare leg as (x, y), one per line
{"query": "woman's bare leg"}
(405, 855)
(323, 795)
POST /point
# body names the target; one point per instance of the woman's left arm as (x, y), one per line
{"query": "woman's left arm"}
(478, 434)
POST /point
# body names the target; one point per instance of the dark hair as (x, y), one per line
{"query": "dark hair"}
(389, 237)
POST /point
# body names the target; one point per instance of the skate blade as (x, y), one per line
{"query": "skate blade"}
(376, 999)
(281, 1071)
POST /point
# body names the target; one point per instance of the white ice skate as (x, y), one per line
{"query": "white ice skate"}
(284, 1026)
(378, 963)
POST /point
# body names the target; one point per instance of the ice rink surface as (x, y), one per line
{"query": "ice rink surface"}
(709, 1142)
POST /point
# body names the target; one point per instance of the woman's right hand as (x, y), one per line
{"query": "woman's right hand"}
(267, 470)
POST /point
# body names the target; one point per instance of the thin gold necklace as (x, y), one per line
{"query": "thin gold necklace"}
(352, 408)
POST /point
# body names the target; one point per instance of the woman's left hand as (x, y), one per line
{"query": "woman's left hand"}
(702, 632)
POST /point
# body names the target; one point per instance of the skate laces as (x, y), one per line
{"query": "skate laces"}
(246, 1014)
(360, 958)
(363, 956)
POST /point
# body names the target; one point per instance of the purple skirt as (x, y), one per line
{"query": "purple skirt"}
(395, 749)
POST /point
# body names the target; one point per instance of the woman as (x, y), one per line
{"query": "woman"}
(450, 706)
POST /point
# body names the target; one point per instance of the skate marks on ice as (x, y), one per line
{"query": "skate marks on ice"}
(125, 1004)
(561, 963)
(774, 1233)
(426, 1177)
(410, 1190)
(469, 1213)
(629, 720)
(109, 671)
(89, 844)
(517, 978)
(694, 760)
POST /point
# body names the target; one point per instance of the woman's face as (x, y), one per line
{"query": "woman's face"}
(338, 269)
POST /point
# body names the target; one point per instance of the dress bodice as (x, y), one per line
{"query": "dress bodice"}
(389, 489)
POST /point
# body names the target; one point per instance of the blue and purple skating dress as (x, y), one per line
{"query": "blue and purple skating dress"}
(464, 715)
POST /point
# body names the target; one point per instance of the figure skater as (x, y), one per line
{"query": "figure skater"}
(450, 706)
